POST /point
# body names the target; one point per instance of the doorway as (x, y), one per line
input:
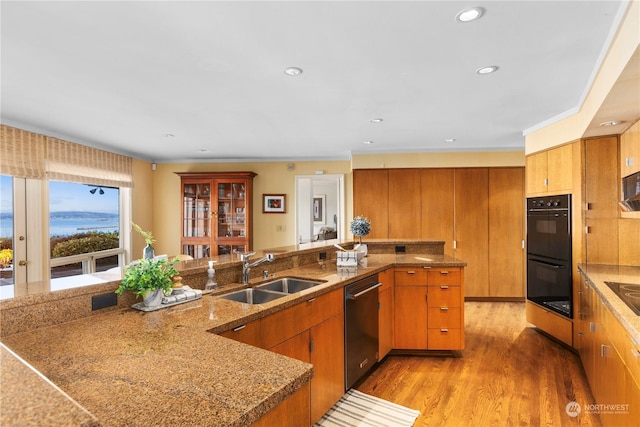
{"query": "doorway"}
(319, 207)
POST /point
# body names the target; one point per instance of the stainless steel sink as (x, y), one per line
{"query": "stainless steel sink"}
(289, 285)
(253, 296)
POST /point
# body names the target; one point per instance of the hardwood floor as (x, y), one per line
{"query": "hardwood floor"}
(509, 375)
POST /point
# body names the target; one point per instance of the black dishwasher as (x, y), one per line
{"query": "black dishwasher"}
(360, 328)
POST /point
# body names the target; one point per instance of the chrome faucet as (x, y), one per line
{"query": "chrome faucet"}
(246, 265)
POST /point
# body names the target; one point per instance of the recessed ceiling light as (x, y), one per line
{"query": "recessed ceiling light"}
(168, 135)
(367, 142)
(611, 123)
(203, 150)
(450, 140)
(470, 14)
(375, 120)
(487, 70)
(293, 71)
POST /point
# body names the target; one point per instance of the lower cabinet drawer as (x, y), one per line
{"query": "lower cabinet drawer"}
(443, 296)
(444, 317)
(444, 339)
(554, 324)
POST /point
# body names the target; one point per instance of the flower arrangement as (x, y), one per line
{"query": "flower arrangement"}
(360, 226)
(148, 275)
(148, 237)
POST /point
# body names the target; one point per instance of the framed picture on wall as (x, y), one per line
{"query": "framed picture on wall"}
(319, 209)
(273, 203)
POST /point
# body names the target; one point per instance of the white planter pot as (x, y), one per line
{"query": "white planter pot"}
(153, 298)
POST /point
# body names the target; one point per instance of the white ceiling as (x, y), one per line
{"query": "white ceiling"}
(121, 75)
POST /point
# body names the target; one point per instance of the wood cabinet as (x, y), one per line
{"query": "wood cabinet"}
(610, 358)
(248, 333)
(506, 233)
(372, 199)
(429, 309)
(312, 331)
(292, 412)
(404, 202)
(477, 212)
(445, 306)
(600, 200)
(551, 171)
(437, 208)
(410, 309)
(472, 227)
(630, 150)
(216, 213)
(553, 324)
(385, 313)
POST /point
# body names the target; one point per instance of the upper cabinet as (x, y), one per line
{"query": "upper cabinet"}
(630, 150)
(552, 171)
(477, 212)
(216, 213)
(372, 199)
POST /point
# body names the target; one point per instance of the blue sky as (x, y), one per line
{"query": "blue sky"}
(66, 196)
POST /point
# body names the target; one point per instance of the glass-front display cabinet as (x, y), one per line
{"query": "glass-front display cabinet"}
(216, 213)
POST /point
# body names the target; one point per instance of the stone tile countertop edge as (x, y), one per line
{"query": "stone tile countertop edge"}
(128, 367)
(598, 274)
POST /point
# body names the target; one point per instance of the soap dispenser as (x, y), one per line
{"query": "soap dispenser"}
(211, 273)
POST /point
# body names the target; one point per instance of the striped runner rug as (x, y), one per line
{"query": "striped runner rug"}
(356, 409)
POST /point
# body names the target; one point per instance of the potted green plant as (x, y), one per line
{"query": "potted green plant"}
(149, 279)
(361, 226)
(148, 251)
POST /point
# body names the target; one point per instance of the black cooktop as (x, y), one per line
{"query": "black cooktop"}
(629, 293)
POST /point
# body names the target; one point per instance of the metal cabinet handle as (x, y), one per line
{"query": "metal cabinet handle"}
(354, 296)
(444, 330)
(444, 287)
(311, 300)
(444, 308)
(444, 272)
(237, 328)
(635, 353)
(411, 272)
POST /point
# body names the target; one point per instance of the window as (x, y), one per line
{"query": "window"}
(65, 213)
(84, 228)
(6, 236)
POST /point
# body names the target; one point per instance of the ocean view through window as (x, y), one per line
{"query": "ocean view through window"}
(83, 219)
(84, 233)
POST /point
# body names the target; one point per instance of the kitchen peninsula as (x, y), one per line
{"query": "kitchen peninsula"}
(125, 367)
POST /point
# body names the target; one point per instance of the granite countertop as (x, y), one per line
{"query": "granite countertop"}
(130, 368)
(598, 274)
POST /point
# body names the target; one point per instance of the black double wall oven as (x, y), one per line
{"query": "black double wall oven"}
(549, 281)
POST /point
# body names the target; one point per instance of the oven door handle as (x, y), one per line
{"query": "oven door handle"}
(556, 266)
(354, 296)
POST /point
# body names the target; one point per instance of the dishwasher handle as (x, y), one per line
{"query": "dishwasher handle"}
(370, 288)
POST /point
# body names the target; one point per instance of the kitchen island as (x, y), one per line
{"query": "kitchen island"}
(132, 368)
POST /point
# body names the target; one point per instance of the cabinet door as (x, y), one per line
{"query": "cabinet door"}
(536, 167)
(404, 203)
(506, 232)
(560, 169)
(327, 357)
(196, 217)
(630, 150)
(410, 317)
(472, 228)
(601, 196)
(371, 199)
(437, 191)
(296, 347)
